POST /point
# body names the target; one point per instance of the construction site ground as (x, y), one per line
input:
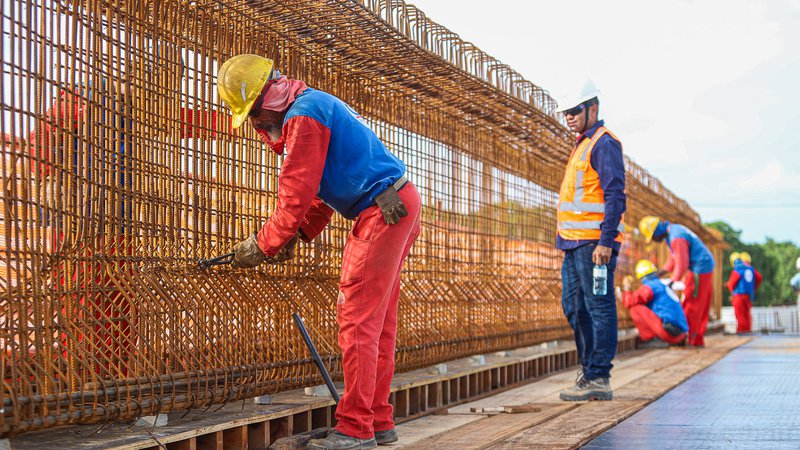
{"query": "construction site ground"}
(523, 414)
(638, 379)
(737, 392)
(248, 425)
(749, 399)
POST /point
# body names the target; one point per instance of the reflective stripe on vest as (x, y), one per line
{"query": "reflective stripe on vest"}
(578, 198)
(581, 207)
(585, 225)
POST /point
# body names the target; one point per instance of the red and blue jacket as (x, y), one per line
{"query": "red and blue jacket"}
(660, 299)
(334, 161)
(744, 280)
(687, 251)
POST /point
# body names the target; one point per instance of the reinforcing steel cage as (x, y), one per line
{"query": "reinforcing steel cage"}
(121, 170)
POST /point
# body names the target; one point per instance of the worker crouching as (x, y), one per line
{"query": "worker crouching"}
(687, 253)
(654, 307)
(334, 161)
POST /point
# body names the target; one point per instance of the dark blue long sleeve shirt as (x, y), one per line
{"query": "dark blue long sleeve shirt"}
(607, 161)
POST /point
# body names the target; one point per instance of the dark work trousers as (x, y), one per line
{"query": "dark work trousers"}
(593, 318)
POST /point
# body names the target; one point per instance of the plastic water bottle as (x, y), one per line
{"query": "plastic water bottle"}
(599, 275)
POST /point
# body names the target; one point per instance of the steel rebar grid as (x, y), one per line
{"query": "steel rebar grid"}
(121, 171)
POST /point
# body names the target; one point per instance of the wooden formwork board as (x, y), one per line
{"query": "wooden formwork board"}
(245, 425)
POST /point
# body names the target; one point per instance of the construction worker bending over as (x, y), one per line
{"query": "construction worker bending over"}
(655, 309)
(334, 161)
(591, 205)
(687, 253)
(742, 283)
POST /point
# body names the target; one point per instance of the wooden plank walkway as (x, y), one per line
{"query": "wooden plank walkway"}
(638, 379)
(245, 425)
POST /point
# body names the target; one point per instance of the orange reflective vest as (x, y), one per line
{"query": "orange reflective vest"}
(581, 207)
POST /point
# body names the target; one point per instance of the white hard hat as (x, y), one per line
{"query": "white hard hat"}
(798, 264)
(587, 92)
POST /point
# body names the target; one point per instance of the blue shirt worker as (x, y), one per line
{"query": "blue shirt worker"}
(795, 281)
(655, 308)
(591, 204)
(687, 255)
(743, 283)
(334, 162)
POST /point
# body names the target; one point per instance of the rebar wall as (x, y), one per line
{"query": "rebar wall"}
(120, 171)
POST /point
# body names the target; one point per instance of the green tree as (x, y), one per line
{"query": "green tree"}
(775, 260)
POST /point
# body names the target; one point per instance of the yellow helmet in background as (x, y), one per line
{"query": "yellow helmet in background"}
(647, 226)
(745, 257)
(644, 267)
(240, 81)
(734, 256)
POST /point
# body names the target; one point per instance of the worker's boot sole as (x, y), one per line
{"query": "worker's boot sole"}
(339, 441)
(651, 344)
(589, 396)
(317, 446)
(604, 397)
(386, 437)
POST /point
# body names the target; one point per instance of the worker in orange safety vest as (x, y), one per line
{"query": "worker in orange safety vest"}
(591, 203)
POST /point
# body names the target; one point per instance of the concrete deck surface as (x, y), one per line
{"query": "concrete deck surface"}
(749, 399)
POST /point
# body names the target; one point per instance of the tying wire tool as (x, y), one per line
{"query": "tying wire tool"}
(219, 260)
(227, 259)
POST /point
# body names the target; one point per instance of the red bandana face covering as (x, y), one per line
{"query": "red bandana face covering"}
(279, 96)
(276, 146)
(281, 93)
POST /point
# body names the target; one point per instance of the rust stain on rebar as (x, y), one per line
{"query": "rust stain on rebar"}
(120, 171)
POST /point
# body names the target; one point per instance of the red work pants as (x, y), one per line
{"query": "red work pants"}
(696, 304)
(651, 326)
(367, 315)
(741, 307)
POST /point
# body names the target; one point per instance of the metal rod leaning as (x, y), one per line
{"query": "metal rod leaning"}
(314, 354)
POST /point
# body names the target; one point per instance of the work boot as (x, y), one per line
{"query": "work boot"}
(652, 343)
(672, 329)
(596, 389)
(682, 343)
(386, 437)
(580, 385)
(341, 441)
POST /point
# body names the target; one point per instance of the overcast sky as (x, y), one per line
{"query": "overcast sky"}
(704, 94)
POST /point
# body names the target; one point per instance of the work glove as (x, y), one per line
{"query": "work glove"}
(248, 254)
(391, 205)
(287, 251)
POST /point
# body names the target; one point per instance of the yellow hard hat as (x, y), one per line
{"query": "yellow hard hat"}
(745, 257)
(734, 256)
(647, 226)
(240, 81)
(643, 268)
